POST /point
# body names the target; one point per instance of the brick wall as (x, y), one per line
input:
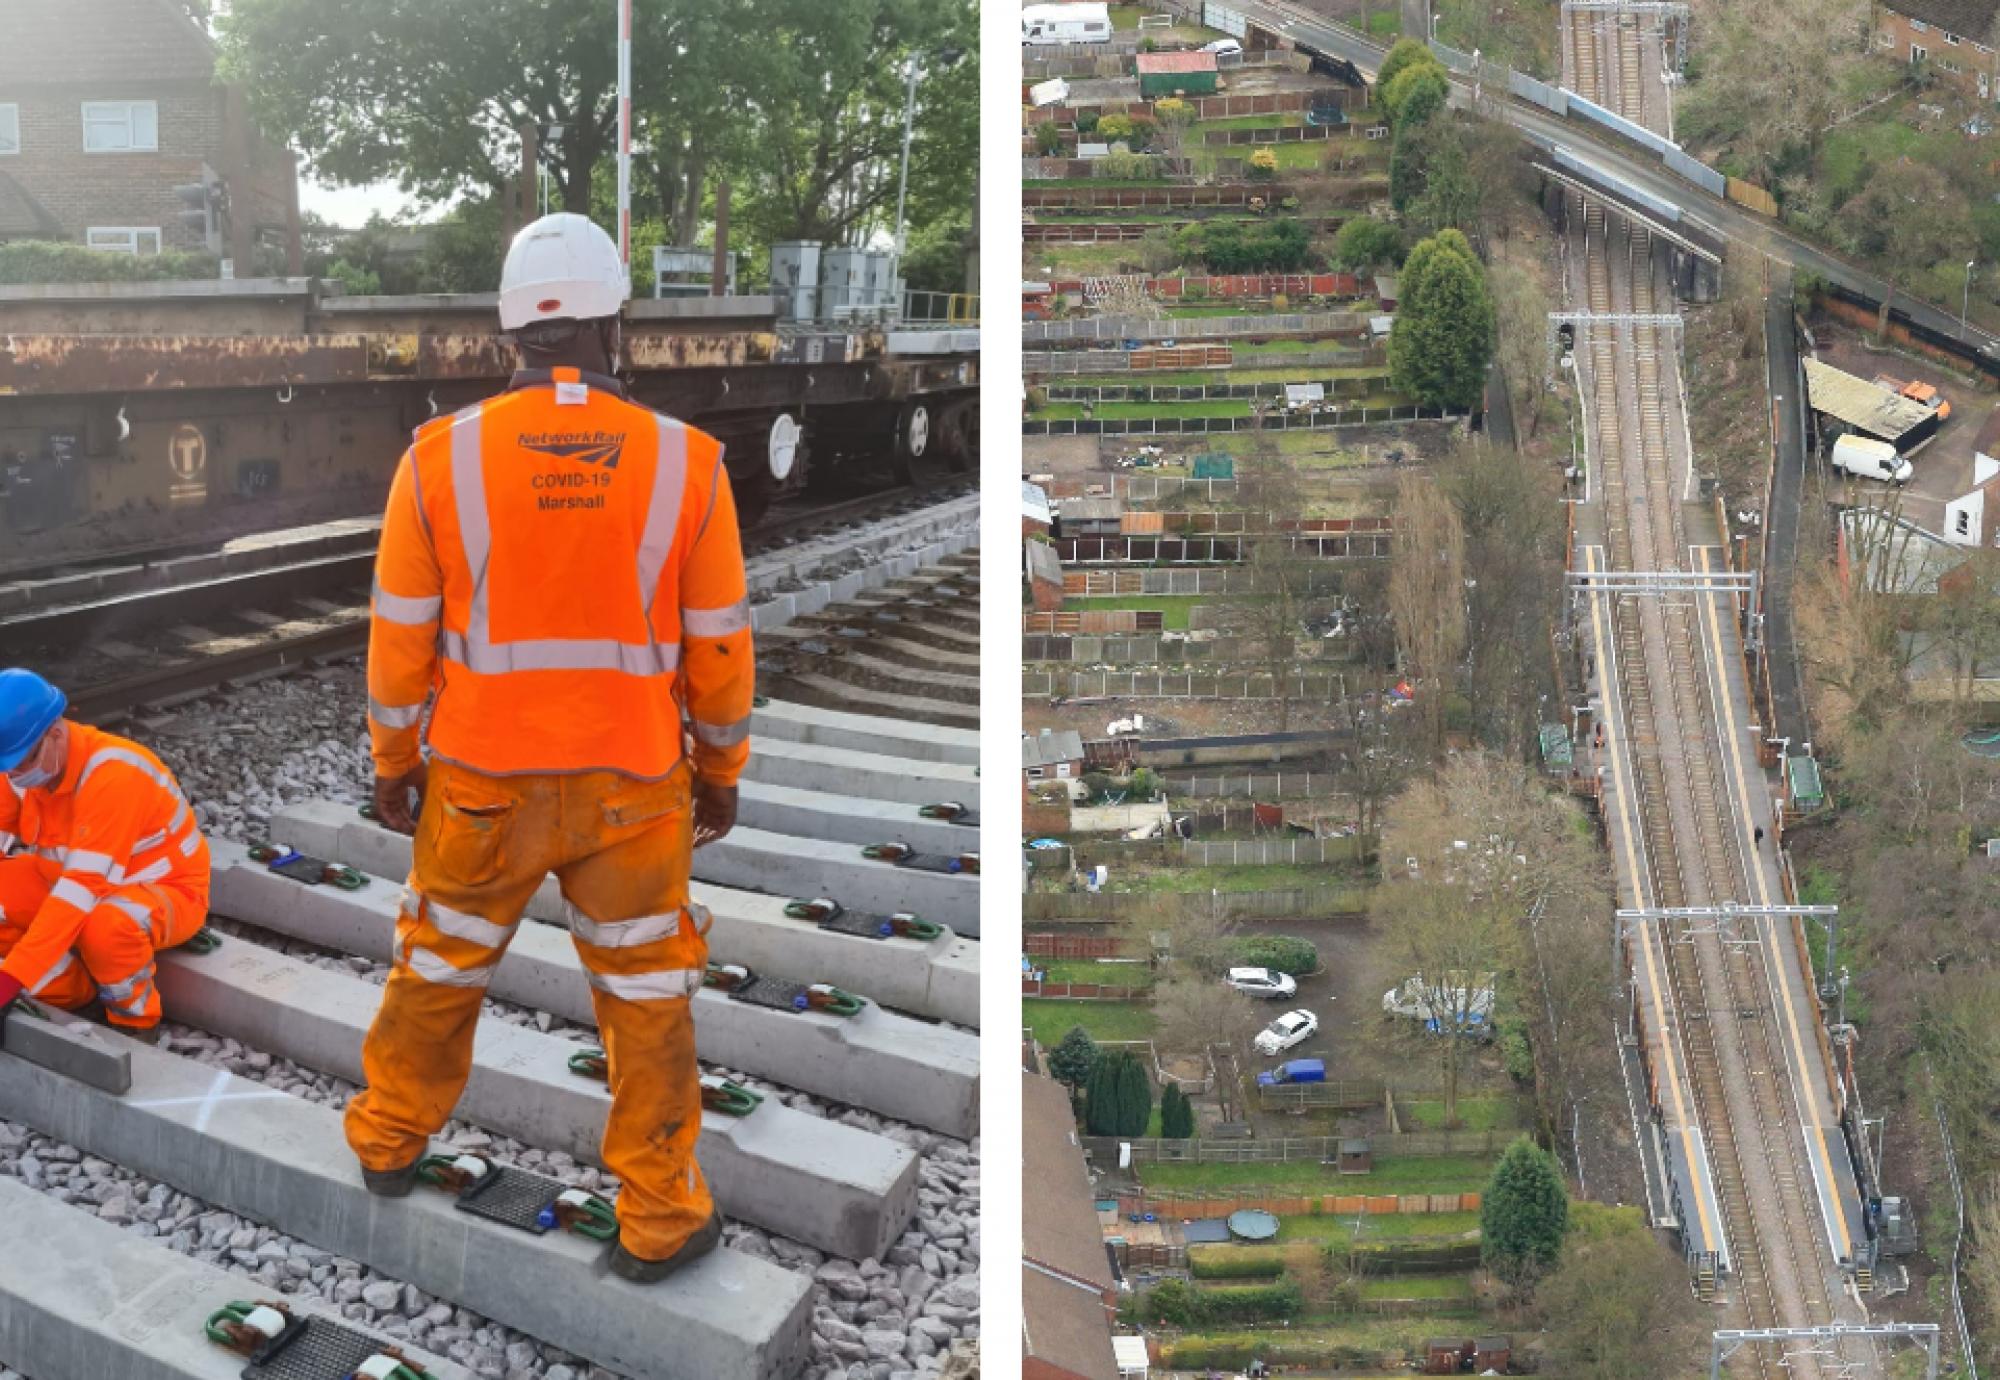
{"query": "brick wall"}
(1897, 34)
(135, 50)
(84, 189)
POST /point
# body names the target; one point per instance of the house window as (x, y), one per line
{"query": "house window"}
(1947, 64)
(1920, 26)
(1981, 49)
(10, 129)
(1964, 523)
(1950, 38)
(121, 126)
(1036, 773)
(123, 239)
(1885, 39)
(1062, 769)
(1917, 54)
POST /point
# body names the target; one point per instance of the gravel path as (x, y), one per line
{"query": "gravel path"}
(243, 754)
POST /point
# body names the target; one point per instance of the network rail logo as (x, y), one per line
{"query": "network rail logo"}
(586, 447)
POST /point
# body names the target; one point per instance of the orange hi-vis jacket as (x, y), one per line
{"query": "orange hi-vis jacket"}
(115, 819)
(562, 567)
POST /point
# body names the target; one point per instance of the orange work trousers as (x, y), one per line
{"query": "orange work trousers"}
(621, 849)
(112, 959)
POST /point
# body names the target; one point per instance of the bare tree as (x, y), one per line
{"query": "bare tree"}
(1427, 596)
(1510, 861)
(1772, 75)
(1268, 607)
(1196, 1012)
(1521, 335)
(1905, 218)
(1618, 1306)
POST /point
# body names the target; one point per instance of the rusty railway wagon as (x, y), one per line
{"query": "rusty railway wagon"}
(138, 415)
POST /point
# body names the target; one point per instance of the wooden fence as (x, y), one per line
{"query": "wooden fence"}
(1078, 991)
(1275, 785)
(1223, 286)
(1324, 1149)
(1113, 907)
(1294, 134)
(1199, 1204)
(1072, 945)
(1218, 196)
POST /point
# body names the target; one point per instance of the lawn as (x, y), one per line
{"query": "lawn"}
(1474, 1113)
(1381, 1226)
(1248, 877)
(1313, 373)
(1285, 120)
(1445, 1288)
(1392, 1174)
(1091, 970)
(1105, 1020)
(1071, 260)
(1174, 607)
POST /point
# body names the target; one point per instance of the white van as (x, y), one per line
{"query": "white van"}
(1871, 459)
(1065, 24)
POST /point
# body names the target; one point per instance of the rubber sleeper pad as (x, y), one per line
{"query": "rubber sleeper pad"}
(511, 1196)
(318, 1349)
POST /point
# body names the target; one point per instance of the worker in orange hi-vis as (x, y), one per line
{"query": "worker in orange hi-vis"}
(561, 581)
(101, 862)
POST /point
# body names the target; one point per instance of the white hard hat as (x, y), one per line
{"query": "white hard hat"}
(562, 267)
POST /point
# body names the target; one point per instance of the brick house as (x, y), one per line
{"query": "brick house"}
(1069, 1299)
(105, 107)
(1953, 37)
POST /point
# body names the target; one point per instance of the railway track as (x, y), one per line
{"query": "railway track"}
(1689, 822)
(852, 1181)
(156, 640)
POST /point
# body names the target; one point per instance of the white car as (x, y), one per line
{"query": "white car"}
(1223, 47)
(1292, 1028)
(1262, 982)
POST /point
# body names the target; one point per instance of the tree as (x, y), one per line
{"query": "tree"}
(1118, 1099)
(1135, 1097)
(1520, 340)
(1276, 575)
(1177, 117)
(1071, 1061)
(1176, 1113)
(1407, 53)
(1427, 596)
(1513, 546)
(1450, 199)
(1905, 219)
(1773, 78)
(1365, 243)
(1100, 1095)
(1416, 97)
(1443, 336)
(1523, 1214)
(1156, 250)
(1197, 1013)
(1618, 1304)
(1048, 138)
(1264, 164)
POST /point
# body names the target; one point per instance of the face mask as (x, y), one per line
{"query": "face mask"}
(29, 780)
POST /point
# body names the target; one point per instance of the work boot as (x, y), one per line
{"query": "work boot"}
(642, 1271)
(154, 1034)
(393, 1183)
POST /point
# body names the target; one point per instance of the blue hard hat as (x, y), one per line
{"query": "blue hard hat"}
(29, 708)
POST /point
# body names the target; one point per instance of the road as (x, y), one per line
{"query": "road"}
(1547, 130)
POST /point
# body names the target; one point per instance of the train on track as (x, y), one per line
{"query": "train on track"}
(136, 415)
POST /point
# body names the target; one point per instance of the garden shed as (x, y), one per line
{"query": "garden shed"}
(1167, 74)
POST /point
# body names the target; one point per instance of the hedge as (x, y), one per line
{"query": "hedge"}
(1185, 1305)
(1236, 1262)
(1235, 1351)
(1282, 952)
(45, 261)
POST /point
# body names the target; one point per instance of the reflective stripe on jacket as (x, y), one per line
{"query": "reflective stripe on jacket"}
(563, 568)
(116, 818)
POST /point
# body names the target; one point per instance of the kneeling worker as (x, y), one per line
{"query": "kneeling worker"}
(562, 567)
(101, 862)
